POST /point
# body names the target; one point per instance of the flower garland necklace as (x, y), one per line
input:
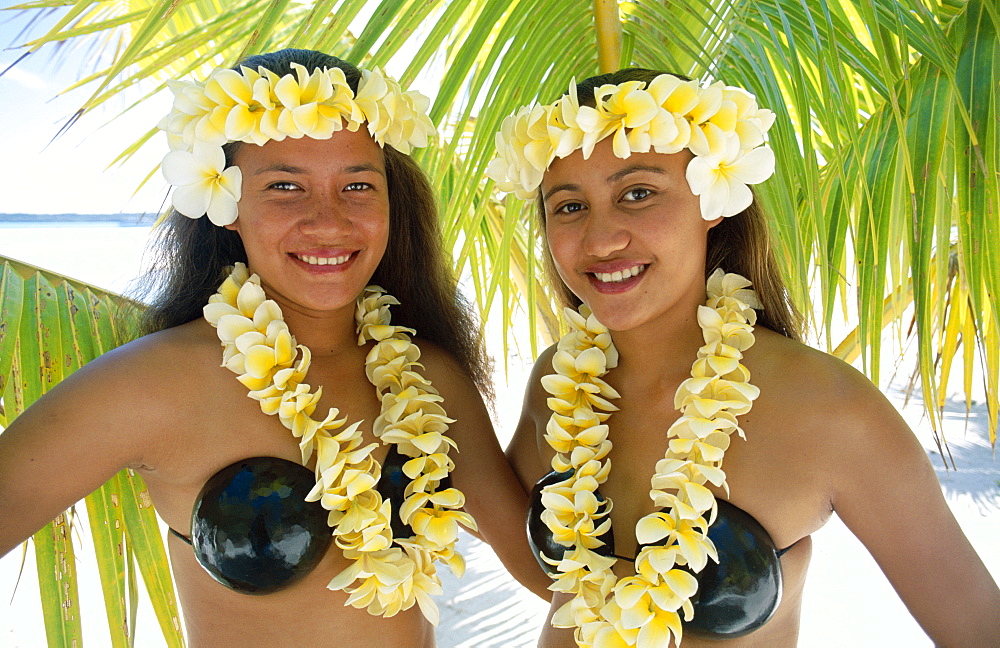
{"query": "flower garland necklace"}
(388, 574)
(643, 610)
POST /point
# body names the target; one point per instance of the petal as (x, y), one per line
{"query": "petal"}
(701, 174)
(213, 311)
(180, 168)
(640, 108)
(754, 167)
(714, 200)
(192, 200)
(620, 144)
(655, 633)
(651, 528)
(740, 197)
(222, 209)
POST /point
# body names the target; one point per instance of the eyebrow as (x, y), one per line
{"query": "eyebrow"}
(635, 168)
(288, 168)
(614, 177)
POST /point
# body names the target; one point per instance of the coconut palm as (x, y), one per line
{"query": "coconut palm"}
(885, 201)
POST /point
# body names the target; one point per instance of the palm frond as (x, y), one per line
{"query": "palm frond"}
(49, 327)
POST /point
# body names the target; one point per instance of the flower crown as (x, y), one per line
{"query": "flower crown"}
(257, 106)
(721, 125)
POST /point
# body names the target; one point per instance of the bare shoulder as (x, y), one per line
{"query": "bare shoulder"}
(178, 358)
(462, 400)
(823, 384)
(445, 372)
(851, 422)
(134, 393)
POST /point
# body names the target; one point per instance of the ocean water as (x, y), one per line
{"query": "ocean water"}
(105, 255)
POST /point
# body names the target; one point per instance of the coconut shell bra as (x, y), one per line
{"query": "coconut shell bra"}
(253, 531)
(736, 596)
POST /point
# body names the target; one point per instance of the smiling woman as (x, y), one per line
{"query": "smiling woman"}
(320, 199)
(683, 365)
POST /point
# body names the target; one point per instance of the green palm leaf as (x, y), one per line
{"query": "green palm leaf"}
(51, 326)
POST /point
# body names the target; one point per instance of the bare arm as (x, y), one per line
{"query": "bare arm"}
(493, 495)
(886, 492)
(71, 441)
(523, 450)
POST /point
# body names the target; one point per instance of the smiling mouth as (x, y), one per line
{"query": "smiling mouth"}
(322, 261)
(619, 275)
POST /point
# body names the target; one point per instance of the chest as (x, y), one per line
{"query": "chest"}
(219, 424)
(767, 472)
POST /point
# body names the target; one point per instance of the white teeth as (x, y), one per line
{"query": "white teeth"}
(619, 275)
(322, 261)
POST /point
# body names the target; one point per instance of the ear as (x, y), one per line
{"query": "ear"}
(708, 224)
(233, 227)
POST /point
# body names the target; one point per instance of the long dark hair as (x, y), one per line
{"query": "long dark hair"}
(190, 256)
(740, 243)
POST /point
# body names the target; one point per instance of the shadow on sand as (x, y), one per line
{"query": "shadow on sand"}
(969, 467)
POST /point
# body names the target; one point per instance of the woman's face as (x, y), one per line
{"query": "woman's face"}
(627, 236)
(314, 217)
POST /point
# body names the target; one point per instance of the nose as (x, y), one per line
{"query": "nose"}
(605, 232)
(325, 214)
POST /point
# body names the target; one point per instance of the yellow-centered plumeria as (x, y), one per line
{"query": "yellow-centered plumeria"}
(388, 574)
(645, 609)
(255, 106)
(721, 125)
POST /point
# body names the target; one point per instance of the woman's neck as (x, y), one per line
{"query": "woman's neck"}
(658, 354)
(325, 333)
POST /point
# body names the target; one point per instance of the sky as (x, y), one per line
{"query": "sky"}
(68, 175)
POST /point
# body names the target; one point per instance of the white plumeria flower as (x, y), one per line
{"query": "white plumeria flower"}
(203, 184)
(720, 181)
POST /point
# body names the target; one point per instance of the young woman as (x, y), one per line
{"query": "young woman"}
(316, 285)
(682, 448)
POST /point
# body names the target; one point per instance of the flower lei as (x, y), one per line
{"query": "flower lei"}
(257, 106)
(388, 574)
(642, 610)
(721, 125)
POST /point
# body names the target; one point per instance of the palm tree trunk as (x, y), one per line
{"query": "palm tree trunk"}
(609, 35)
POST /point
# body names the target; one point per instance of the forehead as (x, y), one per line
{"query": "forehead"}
(342, 150)
(604, 166)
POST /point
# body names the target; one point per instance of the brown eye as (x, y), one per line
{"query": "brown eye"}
(569, 208)
(637, 194)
